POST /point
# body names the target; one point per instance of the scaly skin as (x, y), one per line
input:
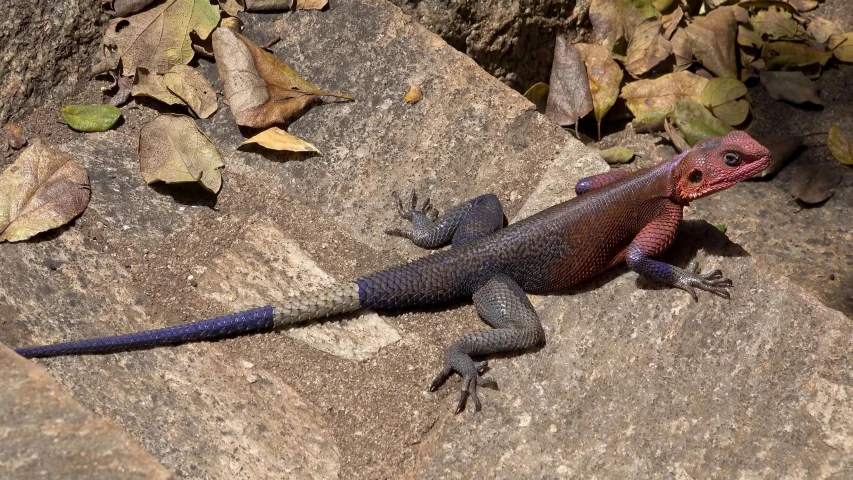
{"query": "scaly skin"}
(616, 217)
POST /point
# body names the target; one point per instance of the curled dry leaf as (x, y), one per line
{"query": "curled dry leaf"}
(840, 146)
(713, 41)
(538, 95)
(670, 22)
(190, 86)
(723, 97)
(774, 24)
(44, 189)
(261, 90)
(277, 139)
(124, 8)
(414, 95)
(569, 97)
(14, 135)
(696, 122)
(785, 55)
(791, 87)
(676, 137)
(91, 118)
(159, 38)
(647, 48)
(813, 183)
(604, 76)
(821, 29)
(842, 46)
(613, 20)
(781, 148)
(150, 85)
(173, 150)
(617, 155)
(652, 100)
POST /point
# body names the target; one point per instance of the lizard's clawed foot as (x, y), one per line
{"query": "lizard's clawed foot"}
(413, 212)
(714, 282)
(471, 378)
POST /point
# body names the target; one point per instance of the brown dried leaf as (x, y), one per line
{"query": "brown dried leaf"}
(839, 146)
(682, 50)
(775, 24)
(261, 90)
(615, 19)
(604, 77)
(748, 38)
(713, 41)
(191, 87)
(842, 46)
(652, 100)
(232, 7)
(277, 139)
(15, 135)
(791, 87)
(670, 22)
(151, 85)
(785, 55)
(569, 96)
(267, 5)
(159, 38)
(803, 5)
(821, 29)
(647, 48)
(310, 4)
(813, 183)
(675, 137)
(124, 8)
(781, 148)
(44, 189)
(173, 150)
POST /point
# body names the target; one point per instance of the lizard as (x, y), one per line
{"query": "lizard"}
(615, 217)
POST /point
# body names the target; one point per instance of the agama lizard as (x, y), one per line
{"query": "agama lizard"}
(616, 216)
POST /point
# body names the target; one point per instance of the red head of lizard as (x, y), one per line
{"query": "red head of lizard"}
(715, 164)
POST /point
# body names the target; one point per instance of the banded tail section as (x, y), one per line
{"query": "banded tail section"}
(333, 300)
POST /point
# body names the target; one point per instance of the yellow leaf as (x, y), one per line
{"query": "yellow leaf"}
(696, 122)
(261, 90)
(840, 147)
(604, 77)
(42, 190)
(173, 150)
(414, 95)
(538, 95)
(159, 38)
(784, 55)
(277, 139)
(652, 100)
(721, 96)
(842, 46)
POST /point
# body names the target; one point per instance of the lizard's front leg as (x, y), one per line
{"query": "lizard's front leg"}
(655, 238)
(461, 224)
(503, 305)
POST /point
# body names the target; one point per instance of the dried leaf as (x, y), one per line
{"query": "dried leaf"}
(652, 100)
(821, 29)
(267, 5)
(124, 8)
(774, 24)
(803, 5)
(261, 90)
(721, 96)
(310, 4)
(791, 87)
(682, 50)
(713, 41)
(90, 118)
(617, 155)
(785, 55)
(15, 135)
(615, 19)
(768, 4)
(840, 147)
(124, 87)
(696, 122)
(569, 96)
(748, 38)
(151, 85)
(173, 150)
(159, 38)
(41, 191)
(604, 77)
(647, 48)
(781, 148)
(232, 7)
(676, 137)
(662, 5)
(414, 95)
(670, 22)
(842, 46)
(191, 87)
(538, 95)
(277, 139)
(813, 183)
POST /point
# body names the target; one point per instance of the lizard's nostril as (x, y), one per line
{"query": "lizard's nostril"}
(695, 176)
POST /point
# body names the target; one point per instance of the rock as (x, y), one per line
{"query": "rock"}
(44, 431)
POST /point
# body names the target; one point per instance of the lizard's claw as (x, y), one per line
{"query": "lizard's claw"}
(410, 212)
(471, 378)
(714, 282)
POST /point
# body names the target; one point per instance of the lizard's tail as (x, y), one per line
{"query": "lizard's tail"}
(333, 300)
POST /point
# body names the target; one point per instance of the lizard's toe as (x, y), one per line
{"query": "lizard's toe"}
(471, 378)
(713, 282)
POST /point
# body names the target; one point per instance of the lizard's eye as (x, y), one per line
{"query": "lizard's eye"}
(732, 159)
(695, 177)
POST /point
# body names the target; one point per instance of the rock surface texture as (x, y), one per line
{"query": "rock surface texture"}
(634, 380)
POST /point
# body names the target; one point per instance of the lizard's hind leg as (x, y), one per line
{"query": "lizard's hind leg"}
(459, 225)
(503, 305)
